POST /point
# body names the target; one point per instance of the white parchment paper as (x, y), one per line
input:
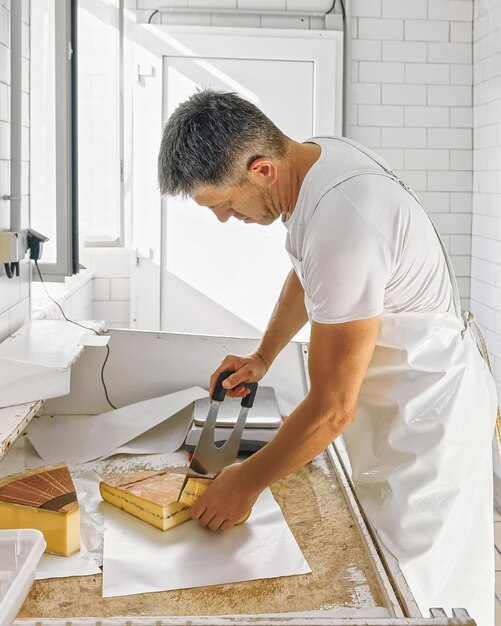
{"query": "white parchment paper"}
(85, 438)
(139, 558)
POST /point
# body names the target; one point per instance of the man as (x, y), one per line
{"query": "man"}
(392, 362)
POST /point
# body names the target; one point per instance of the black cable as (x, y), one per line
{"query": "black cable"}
(154, 13)
(342, 8)
(81, 326)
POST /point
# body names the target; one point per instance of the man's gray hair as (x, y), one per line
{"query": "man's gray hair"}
(211, 139)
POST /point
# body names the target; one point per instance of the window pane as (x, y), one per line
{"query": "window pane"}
(43, 131)
(98, 120)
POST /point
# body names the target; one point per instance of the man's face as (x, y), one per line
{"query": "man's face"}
(248, 203)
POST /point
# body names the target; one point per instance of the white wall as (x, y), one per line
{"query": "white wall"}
(15, 292)
(486, 238)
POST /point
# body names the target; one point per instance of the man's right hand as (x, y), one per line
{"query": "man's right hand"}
(247, 369)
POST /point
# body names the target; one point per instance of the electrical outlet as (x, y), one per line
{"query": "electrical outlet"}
(13, 246)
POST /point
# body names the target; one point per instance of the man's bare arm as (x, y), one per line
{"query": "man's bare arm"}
(338, 360)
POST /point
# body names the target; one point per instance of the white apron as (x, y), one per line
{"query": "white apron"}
(420, 451)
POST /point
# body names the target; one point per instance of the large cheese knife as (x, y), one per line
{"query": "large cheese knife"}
(208, 459)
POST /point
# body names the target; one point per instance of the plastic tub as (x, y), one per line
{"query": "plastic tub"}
(20, 551)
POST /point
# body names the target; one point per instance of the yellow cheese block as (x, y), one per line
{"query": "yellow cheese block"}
(44, 499)
(152, 496)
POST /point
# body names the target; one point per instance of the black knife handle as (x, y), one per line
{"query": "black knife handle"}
(219, 392)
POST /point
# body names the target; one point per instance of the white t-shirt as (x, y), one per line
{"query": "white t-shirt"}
(365, 246)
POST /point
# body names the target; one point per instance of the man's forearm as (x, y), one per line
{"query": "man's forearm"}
(304, 435)
(288, 317)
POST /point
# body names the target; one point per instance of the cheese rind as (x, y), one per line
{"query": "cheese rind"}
(44, 499)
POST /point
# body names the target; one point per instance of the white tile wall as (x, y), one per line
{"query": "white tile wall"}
(111, 284)
(486, 226)
(424, 108)
(15, 292)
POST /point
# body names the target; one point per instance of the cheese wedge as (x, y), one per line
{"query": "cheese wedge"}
(152, 496)
(44, 499)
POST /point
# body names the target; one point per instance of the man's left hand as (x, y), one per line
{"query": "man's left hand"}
(228, 498)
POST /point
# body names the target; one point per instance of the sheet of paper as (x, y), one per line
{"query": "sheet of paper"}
(139, 558)
(80, 564)
(166, 437)
(84, 438)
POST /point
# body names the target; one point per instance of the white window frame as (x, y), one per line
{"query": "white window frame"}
(66, 251)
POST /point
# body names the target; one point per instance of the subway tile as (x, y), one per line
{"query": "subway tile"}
(461, 265)
(427, 159)
(120, 289)
(374, 72)
(4, 64)
(403, 137)
(101, 287)
(366, 8)
(451, 223)
(450, 181)
(366, 93)
(461, 31)
(404, 94)
(461, 160)
(426, 116)
(436, 202)
(449, 138)
(460, 244)
(426, 30)
(367, 135)
(366, 50)
(380, 115)
(461, 117)
(461, 74)
(457, 10)
(450, 95)
(414, 178)
(376, 28)
(286, 21)
(449, 52)
(393, 156)
(414, 51)
(427, 73)
(409, 9)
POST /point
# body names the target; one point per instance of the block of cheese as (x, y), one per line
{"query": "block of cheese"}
(44, 499)
(152, 496)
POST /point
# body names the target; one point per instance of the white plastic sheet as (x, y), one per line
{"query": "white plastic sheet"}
(85, 438)
(139, 558)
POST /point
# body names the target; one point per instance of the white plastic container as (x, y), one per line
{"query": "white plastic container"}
(20, 551)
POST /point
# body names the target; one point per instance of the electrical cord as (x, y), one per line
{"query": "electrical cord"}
(81, 326)
(152, 15)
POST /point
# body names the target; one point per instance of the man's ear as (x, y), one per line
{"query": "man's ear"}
(262, 172)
